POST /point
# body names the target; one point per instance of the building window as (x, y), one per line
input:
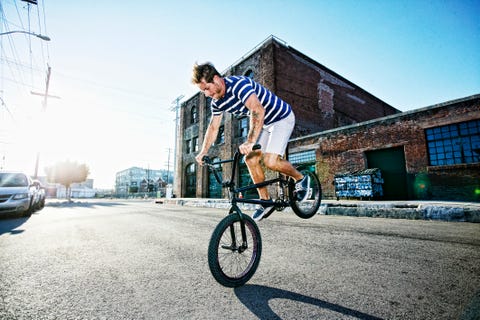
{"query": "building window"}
(215, 188)
(249, 74)
(244, 179)
(188, 148)
(454, 144)
(209, 113)
(193, 115)
(243, 127)
(306, 160)
(191, 180)
(302, 157)
(220, 136)
(195, 144)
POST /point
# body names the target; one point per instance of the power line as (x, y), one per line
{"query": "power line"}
(6, 108)
(100, 85)
(16, 20)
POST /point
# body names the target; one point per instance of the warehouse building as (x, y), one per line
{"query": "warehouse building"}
(340, 129)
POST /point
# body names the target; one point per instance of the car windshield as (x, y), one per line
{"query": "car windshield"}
(13, 180)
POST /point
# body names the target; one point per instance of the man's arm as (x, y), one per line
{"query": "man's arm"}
(257, 116)
(210, 136)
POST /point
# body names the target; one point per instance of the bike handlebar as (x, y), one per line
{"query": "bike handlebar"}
(207, 159)
(256, 147)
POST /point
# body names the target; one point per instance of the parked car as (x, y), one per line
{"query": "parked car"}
(39, 200)
(17, 193)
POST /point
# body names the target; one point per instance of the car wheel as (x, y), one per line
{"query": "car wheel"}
(30, 209)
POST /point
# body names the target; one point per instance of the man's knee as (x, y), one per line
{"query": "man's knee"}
(252, 159)
(271, 161)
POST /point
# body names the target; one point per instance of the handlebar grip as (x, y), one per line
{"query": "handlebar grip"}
(206, 159)
(256, 147)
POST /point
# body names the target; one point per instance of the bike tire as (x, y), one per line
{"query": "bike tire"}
(233, 267)
(307, 208)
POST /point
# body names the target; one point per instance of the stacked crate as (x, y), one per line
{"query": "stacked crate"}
(360, 184)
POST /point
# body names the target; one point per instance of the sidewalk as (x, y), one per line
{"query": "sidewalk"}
(419, 210)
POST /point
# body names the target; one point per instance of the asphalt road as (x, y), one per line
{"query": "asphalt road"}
(141, 260)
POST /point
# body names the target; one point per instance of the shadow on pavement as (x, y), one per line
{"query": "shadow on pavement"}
(256, 298)
(9, 225)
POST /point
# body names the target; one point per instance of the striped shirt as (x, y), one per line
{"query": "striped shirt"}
(237, 91)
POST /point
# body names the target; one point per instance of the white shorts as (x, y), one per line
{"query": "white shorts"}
(274, 137)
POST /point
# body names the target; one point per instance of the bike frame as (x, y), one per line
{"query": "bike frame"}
(234, 191)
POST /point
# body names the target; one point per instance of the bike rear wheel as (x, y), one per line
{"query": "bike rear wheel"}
(307, 208)
(232, 260)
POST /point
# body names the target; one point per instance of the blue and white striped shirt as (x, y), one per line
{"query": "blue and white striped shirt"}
(237, 91)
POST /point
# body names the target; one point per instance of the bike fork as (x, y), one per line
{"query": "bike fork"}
(243, 231)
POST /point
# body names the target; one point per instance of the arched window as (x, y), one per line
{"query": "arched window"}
(190, 180)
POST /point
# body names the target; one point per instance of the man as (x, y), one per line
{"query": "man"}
(271, 124)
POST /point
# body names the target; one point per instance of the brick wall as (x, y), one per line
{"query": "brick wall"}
(321, 99)
(343, 150)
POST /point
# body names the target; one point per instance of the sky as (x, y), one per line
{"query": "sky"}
(118, 66)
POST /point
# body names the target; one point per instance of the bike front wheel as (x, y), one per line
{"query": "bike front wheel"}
(233, 258)
(307, 208)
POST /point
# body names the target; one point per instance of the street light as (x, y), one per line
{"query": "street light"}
(45, 38)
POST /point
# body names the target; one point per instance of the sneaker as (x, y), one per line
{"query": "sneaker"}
(301, 188)
(261, 211)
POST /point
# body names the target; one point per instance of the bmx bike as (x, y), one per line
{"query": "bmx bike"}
(236, 245)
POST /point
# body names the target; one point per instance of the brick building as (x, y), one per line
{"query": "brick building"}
(428, 153)
(321, 100)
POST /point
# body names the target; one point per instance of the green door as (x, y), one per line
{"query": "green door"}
(391, 163)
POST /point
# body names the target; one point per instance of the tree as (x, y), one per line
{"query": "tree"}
(66, 173)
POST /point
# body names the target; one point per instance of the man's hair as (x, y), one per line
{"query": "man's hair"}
(204, 71)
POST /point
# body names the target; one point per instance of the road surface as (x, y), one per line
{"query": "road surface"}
(141, 260)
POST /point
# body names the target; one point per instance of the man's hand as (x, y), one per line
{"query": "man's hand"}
(246, 147)
(199, 158)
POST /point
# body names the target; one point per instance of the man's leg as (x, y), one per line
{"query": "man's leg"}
(276, 163)
(256, 172)
(277, 143)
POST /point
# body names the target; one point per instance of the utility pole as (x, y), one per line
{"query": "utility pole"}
(176, 108)
(44, 108)
(168, 165)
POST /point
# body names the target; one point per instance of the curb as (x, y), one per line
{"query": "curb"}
(415, 210)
